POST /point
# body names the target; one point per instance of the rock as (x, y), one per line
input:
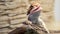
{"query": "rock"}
(3, 7)
(11, 4)
(4, 18)
(5, 31)
(16, 26)
(4, 24)
(17, 16)
(17, 21)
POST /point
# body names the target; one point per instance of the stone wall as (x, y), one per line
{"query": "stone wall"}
(13, 12)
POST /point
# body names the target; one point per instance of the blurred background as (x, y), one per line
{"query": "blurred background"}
(57, 14)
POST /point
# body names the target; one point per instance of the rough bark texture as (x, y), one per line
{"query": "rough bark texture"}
(13, 12)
